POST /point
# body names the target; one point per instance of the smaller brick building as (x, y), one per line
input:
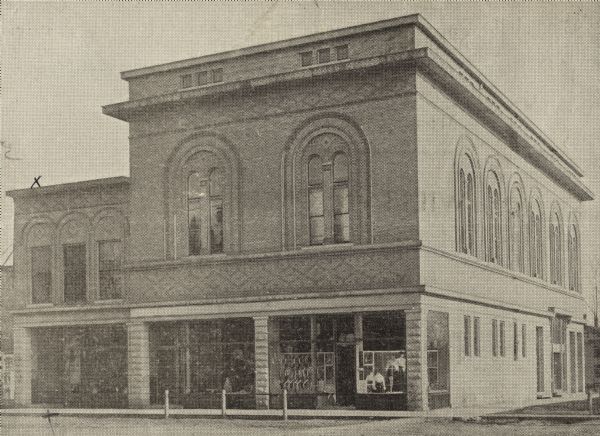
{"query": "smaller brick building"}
(358, 217)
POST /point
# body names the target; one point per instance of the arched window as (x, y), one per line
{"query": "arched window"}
(574, 279)
(315, 201)
(493, 219)
(205, 212)
(535, 240)
(328, 190)
(556, 273)
(466, 207)
(341, 215)
(517, 236)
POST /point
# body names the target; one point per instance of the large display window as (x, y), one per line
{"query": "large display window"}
(196, 360)
(80, 367)
(382, 361)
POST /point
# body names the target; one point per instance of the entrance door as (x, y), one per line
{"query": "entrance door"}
(345, 379)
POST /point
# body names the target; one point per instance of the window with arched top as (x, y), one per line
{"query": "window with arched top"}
(556, 250)
(574, 259)
(493, 219)
(466, 207)
(516, 231)
(205, 212)
(328, 191)
(535, 240)
(327, 195)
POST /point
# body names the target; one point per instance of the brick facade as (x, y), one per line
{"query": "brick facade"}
(401, 107)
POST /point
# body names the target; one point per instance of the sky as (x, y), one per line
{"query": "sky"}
(61, 62)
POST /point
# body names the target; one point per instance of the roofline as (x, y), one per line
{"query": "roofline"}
(50, 189)
(416, 19)
(272, 46)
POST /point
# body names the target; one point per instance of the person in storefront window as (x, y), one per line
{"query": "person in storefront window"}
(395, 371)
(379, 382)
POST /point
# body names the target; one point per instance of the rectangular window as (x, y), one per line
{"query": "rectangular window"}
(523, 340)
(323, 56)
(202, 78)
(494, 337)
(341, 52)
(502, 339)
(41, 274)
(467, 335)
(217, 75)
(75, 283)
(573, 358)
(306, 58)
(579, 362)
(438, 351)
(476, 336)
(109, 269)
(186, 81)
(539, 351)
(515, 341)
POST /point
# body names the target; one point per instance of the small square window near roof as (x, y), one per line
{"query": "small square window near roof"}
(306, 58)
(217, 75)
(202, 78)
(186, 81)
(341, 52)
(323, 55)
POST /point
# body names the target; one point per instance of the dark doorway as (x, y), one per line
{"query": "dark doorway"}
(345, 383)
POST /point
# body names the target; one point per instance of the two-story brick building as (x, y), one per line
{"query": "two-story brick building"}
(358, 216)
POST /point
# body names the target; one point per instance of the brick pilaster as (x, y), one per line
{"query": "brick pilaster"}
(261, 361)
(138, 364)
(23, 356)
(416, 360)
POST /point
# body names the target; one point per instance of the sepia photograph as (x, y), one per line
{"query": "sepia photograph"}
(299, 217)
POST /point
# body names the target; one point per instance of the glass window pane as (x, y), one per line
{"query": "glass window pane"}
(109, 260)
(317, 230)
(341, 52)
(217, 181)
(41, 274)
(323, 55)
(216, 226)
(186, 81)
(306, 58)
(196, 186)
(74, 273)
(217, 75)
(202, 78)
(340, 199)
(315, 171)
(341, 228)
(316, 202)
(340, 168)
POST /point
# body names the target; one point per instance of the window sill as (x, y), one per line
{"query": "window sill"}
(39, 305)
(109, 301)
(328, 247)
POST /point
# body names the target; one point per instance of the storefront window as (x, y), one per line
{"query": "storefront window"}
(382, 363)
(200, 358)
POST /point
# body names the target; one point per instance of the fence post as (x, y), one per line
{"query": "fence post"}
(224, 403)
(166, 403)
(285, 411)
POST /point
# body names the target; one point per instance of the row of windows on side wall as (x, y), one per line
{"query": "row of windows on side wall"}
(493, 222)
(472, 338)
(324, 55)
(74, 262)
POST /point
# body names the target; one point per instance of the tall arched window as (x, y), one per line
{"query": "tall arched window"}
(328, 189)
(315, 201)
(205, 212)
(517, 249)
(535, 240)
(341, 215)
(574, 279)
(556, 264)
(467, 237)
(493, 219)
